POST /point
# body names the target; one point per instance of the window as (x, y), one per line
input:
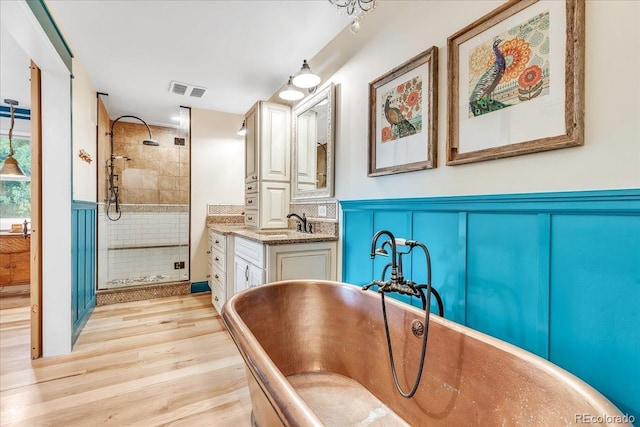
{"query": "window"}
(15, 196)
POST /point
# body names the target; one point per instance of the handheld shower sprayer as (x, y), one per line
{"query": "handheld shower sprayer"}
(113, 196)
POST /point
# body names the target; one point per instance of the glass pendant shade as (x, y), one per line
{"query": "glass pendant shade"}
(290, 93)
(11, 170)
(305, 78)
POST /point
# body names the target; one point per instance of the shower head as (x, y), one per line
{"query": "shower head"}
(149, 141)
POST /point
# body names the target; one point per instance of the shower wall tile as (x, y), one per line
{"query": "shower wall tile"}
(149, 165)
(144, 245)
(168, 183)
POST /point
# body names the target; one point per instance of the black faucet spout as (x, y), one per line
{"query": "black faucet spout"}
(302, 219)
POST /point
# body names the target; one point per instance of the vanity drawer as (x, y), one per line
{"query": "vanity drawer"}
(218, 297)
(219, 278)
(251, 187)
(217, 241)
(251, 218)
(251, 201)
(250, 251)
(218, 260)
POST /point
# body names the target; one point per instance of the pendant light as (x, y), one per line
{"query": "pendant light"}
(290, 93)
(305, 77)
(11, 170)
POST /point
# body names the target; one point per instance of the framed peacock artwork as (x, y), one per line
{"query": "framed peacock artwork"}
(516, 81)
(403, 117)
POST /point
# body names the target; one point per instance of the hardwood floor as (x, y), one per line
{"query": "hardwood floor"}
(166, 361)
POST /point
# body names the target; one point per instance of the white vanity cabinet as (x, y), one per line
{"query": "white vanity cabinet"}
(257, 263)
(221, 269)
(267, 165)
(313, 260)
(249, 264)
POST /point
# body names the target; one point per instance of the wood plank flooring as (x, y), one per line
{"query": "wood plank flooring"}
(166, 361)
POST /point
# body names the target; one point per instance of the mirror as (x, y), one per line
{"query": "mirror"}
(312, 147)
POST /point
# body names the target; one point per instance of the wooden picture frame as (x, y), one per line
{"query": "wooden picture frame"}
(529, 56)
(403, 117)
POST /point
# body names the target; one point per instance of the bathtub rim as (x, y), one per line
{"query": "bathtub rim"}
(272, 381)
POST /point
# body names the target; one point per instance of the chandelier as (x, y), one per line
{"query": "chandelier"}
(354, 7)
(357, 8)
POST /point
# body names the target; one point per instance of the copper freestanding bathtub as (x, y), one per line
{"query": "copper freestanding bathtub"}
(316, 354)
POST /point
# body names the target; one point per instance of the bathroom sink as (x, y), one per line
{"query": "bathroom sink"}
(278, 233)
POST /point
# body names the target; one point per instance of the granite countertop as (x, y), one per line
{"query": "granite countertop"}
(271, 237)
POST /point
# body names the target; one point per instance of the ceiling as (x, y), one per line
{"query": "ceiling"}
(14, 80)
(241, 51)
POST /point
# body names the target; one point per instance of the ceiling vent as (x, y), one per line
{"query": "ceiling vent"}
(187, 89)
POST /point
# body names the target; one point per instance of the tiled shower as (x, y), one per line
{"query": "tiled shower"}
(149, 243)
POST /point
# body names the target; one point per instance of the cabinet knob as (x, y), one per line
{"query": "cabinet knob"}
(217, 241)
(215, 298)
(216, 276)
(217, 259)
(250, 201)
(208, 252)
(250, 218)
(246, 273)
(208, 276)
(250, 188)
(254, 177)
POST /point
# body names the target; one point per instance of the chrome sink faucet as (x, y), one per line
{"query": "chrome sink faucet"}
(303, 226)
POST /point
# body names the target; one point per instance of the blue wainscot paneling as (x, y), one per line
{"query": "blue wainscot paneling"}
(557, 274)
(83, 289)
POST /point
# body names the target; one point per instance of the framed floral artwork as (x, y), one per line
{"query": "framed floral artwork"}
(403, 117)
(516, 81)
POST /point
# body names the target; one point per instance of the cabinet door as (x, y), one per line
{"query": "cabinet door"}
(252, 145)
(21, 267)
(256, 276)
(241, 276)
(300, 261)
(5, 269)
(274, 204)
(275, 142)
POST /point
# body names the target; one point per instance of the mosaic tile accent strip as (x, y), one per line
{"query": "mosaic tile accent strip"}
(148, 208)
(225, 209)
(310, 209)
(137, 293)
(225, 219)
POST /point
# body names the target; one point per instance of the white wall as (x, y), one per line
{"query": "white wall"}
(398, 30)
(84, 134)
(217, 175)
(18, 19)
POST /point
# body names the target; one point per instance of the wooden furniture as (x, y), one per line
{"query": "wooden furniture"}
(15, 259)
(267, 165)
(220, 275)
